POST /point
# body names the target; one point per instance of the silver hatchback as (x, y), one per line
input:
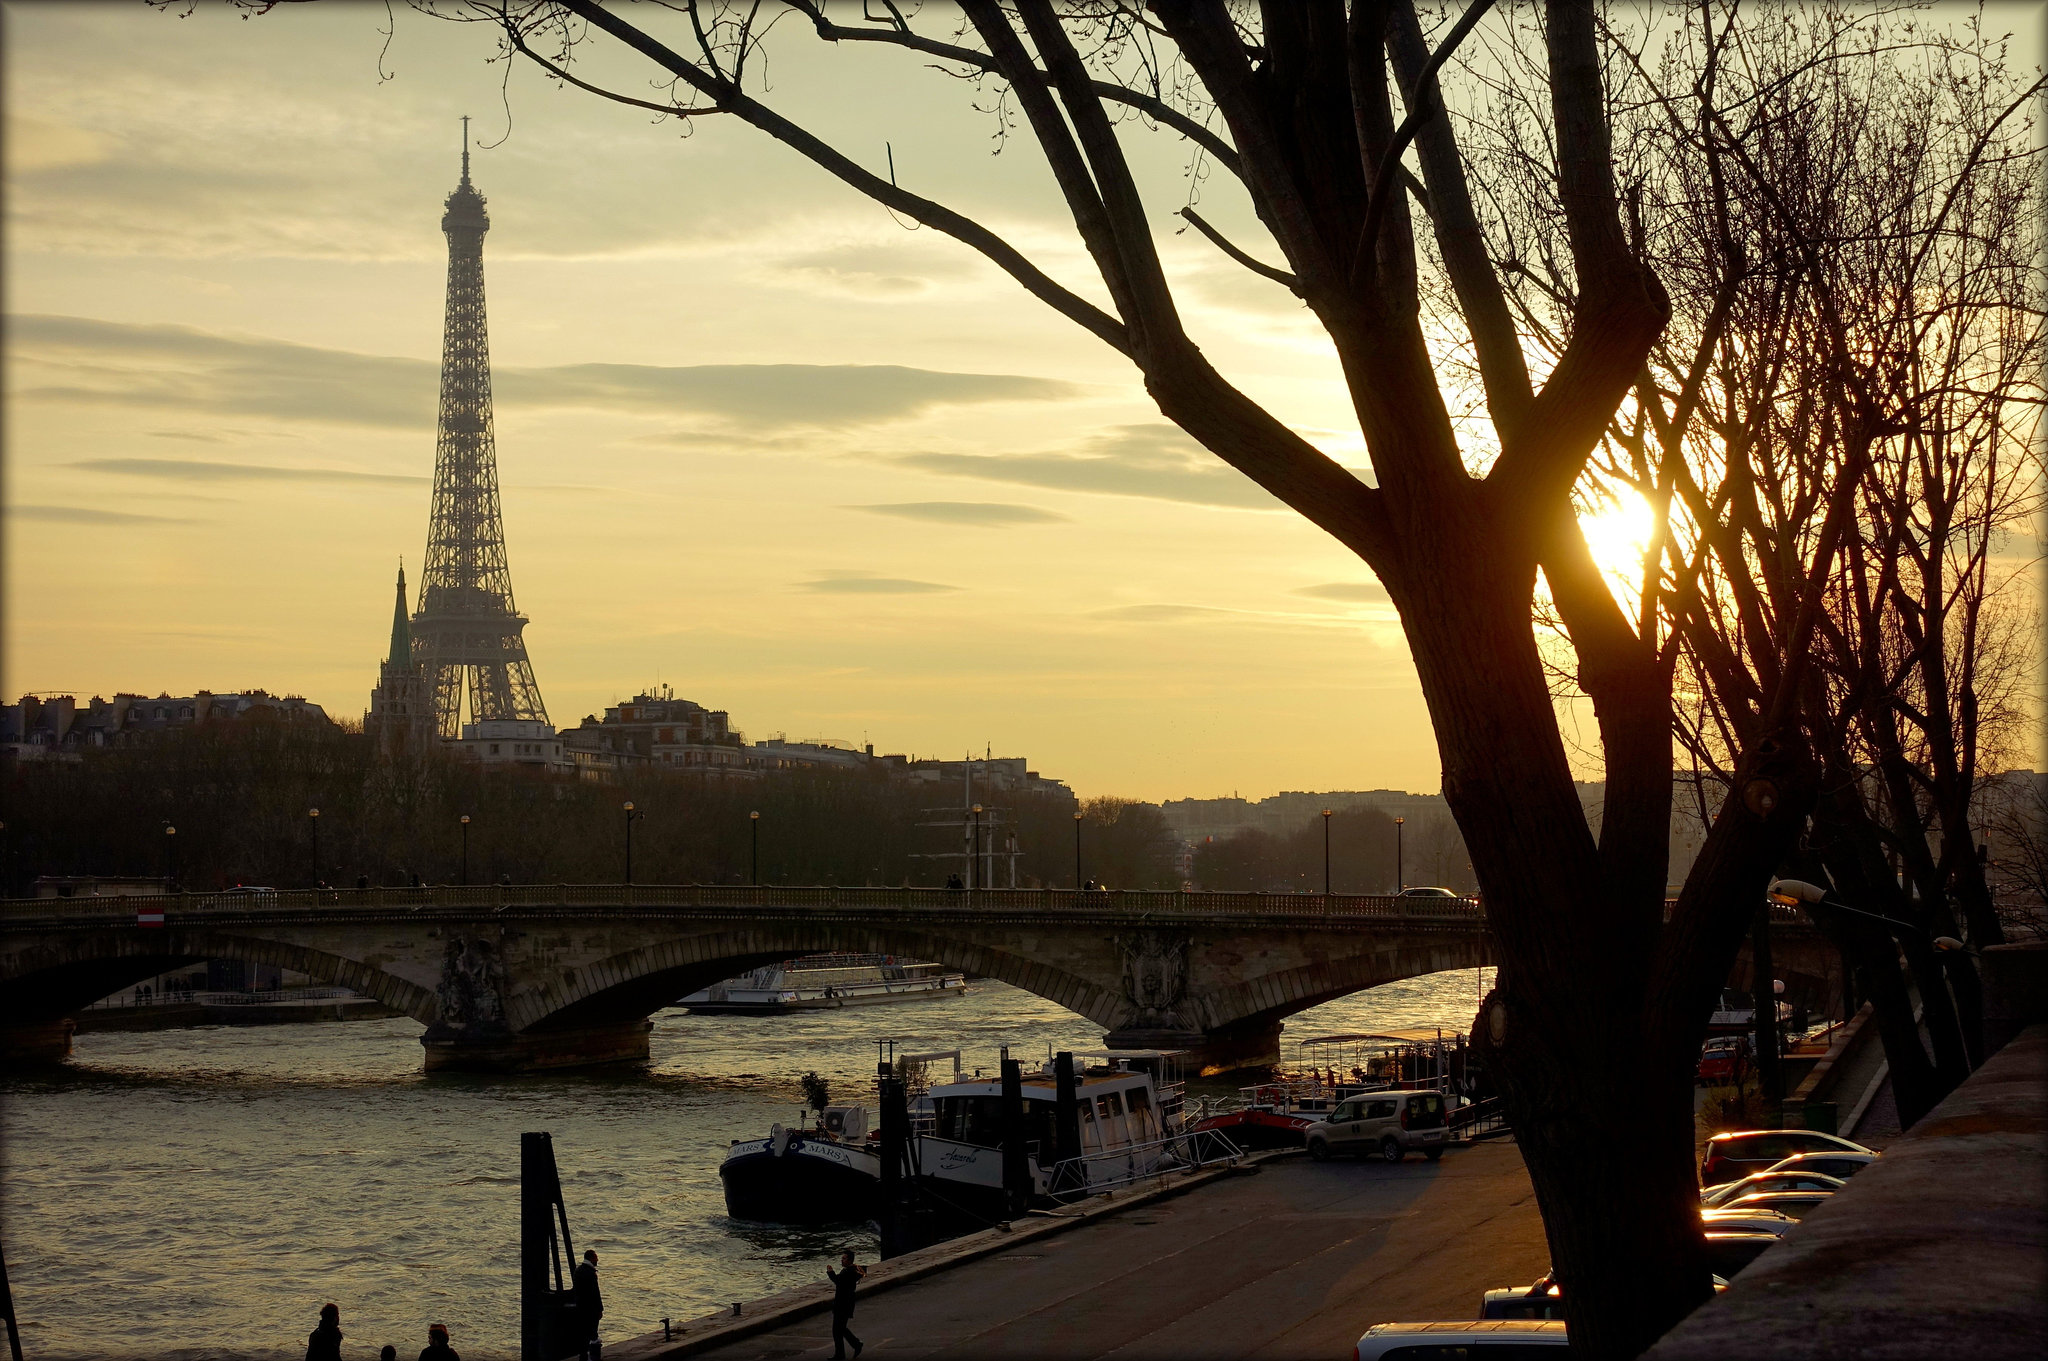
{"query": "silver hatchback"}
(1391, 1124)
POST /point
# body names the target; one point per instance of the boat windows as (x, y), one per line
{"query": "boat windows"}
(970, 1120)
(1110, 1104)
(1140, 1103)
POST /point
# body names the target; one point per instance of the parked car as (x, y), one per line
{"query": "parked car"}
(1427, 893)
(1759, 1182)
(1729, 1251)
(1757, 1220)
(1387, 1123)
(1544, 1299)
(1735, 1155)
(1796, 1204)
(1723, 1060)
(1504, 1338)
(1840, 1166)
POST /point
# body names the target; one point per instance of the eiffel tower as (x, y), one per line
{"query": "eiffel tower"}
(467, 629)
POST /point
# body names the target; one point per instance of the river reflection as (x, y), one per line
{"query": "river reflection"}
(196, 1194)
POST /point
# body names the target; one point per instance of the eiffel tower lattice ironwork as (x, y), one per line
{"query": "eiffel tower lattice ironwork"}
(466, 628)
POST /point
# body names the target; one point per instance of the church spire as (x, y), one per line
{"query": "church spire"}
(401, 630)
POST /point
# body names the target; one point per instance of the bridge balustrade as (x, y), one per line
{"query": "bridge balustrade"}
(1119, 903)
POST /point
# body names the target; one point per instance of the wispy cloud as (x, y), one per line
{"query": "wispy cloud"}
(866, 583)
(1160, 614)
(89, 515)
(205, 470)
(1360, 592)
(177, 368)
(1157, 461)
(986, 514)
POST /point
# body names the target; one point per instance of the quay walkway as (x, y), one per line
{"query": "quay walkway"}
(1294, 1261)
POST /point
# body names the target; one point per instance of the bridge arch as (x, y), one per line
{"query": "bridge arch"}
(67, 974)
(636, 982)
(1269, 999)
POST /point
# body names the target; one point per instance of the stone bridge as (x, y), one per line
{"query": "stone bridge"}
(508, 978)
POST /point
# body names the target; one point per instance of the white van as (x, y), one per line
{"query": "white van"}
(1387, 1123)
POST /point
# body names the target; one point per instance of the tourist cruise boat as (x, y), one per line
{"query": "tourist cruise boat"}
(823, 982)
(1127, 1108)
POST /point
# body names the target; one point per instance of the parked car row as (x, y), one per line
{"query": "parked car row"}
(1756, 1186)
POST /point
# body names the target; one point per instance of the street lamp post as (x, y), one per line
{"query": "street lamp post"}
(1326, 851)
(630, 815)
(754, 854)
(170, 856)
(1077, 850)
(313, 816)
(1400, 875)
(465, 850)
(974, 850)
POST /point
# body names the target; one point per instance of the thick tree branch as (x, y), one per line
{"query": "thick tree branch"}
(1460, 240)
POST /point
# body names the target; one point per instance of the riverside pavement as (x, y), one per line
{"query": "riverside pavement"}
(1293, 1261)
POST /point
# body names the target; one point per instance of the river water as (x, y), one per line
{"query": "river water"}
(198, 1194)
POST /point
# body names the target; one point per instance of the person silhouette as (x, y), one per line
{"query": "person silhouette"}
(589, 1304)
(437, 1348)
(324, 1342)
(843, 1282)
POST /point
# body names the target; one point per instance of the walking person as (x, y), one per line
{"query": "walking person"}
(843, 1281)
(437, 1348)
(589, 1304)
(324, 1342)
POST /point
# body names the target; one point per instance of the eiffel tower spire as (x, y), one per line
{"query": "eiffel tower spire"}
(467, 632)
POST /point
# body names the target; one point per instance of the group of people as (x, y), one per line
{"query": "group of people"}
(324, 1342)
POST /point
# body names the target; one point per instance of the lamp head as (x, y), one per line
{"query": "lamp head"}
(465, 819)
(312, 812)
(1400, 822)
(170, 830)
(754, 817)
(1079, 816)
(1793, 892)
(1948, 944)
(977, 810)
(1328, 811)
(629, 805)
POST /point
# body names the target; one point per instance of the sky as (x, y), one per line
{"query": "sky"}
(757, 440)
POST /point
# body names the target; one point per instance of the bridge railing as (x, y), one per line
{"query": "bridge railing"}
(639, 898)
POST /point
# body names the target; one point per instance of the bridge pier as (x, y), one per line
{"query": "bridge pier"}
(451, 1051)
(23, 1042)
(1252, 1043)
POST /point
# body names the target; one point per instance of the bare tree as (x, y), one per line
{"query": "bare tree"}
(1836, 435)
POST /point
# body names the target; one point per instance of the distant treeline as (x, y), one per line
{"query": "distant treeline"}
(239, 797)
(1362, 856)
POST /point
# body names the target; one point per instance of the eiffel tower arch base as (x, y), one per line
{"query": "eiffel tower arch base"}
(533, 1052)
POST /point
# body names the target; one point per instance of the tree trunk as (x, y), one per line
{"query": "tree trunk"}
(1565, 1029)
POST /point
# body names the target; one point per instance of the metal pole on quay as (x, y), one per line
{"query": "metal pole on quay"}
(1078, 815)
(1326, 852)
